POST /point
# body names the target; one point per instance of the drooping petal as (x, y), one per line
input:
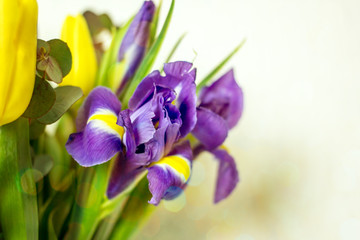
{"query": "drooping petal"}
(228, 176)
(211, 129)
(99, 138)
(123, 174)
(170, 174)
(225, 98)
(134, 44)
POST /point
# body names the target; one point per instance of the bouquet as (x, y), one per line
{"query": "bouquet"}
(92, 138)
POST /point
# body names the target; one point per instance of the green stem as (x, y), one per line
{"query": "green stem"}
(18, 204)
(135, 212)
(87, 207)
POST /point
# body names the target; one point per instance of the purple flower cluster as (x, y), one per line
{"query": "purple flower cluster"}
(153, 133)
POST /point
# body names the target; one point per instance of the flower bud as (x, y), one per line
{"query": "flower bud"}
(76, 34)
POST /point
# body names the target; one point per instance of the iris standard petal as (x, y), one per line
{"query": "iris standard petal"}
(143, 126)
(211, 129)
(228, 176)
(180, 79)
(134, 44)
(225, 98)
(170, 174)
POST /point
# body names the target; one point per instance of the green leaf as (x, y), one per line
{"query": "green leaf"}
(154, 24)
(66, 96)
(110, 57)
(135, 212)
(42, 100)
(87, 207)
(43, 163)
(218, 67)
(106, 21)
(61, 175)
(18, 204)
(52, 70)
(42, 44)
(58, 216)
(148, 60)
(60, 51)
(36, 129)
(175, 47)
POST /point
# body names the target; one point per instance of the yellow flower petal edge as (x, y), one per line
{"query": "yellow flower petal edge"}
(76, 34)
(18, 37)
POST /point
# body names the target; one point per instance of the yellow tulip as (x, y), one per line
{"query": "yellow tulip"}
(76, 34)
(18, 37)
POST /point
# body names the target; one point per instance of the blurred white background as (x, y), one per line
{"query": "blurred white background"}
(298, 143)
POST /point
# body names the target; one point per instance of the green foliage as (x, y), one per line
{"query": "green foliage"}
(36, 129)
(66, 96)
(18, 208)
(42, 100)
(54, 60)
(135, 212)
(60, 52)
(109, 58)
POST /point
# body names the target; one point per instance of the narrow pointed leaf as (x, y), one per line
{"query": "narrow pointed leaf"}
(211, 75)
(154, 24)
(110, 56)
(173, 50)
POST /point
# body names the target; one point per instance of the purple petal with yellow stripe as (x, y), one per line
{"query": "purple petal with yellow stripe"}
(225, 98)
(170, 174)
(211, 129)
(228, 176)
(99, 136)
(134, 44)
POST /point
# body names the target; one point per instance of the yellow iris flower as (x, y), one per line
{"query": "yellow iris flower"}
(76, 34)
(18, 37)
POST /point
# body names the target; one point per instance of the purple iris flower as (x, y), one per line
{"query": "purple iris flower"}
(172, 100)
(221, 106)
(134, 44)
(147, 136)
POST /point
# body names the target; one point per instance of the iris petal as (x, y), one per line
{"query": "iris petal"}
(211, 129)
(99, 138)
(225, 98)
(228, 176)
(169, 174)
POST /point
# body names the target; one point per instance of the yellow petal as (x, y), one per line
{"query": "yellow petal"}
(76, 34)
(18, 29)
